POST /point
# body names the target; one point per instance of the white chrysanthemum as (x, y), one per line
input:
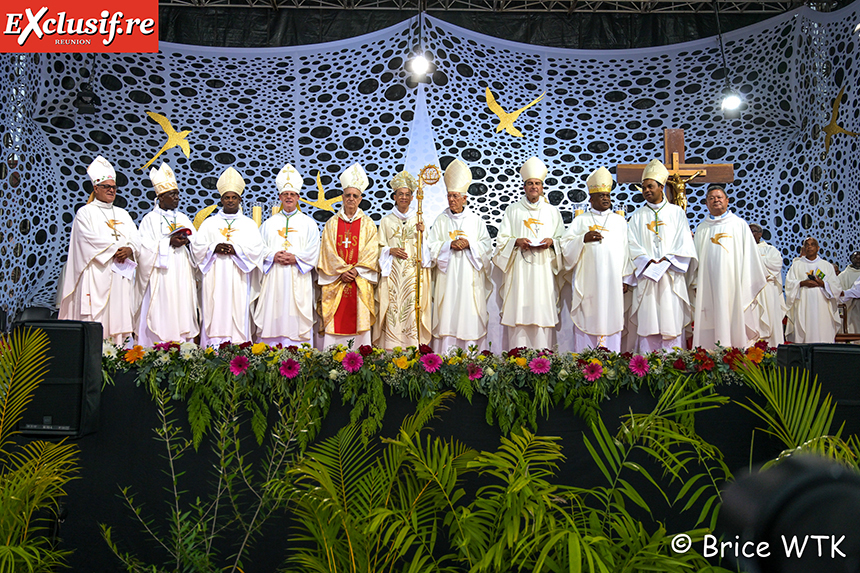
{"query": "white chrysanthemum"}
(186, 350)
(108, 349)
(162, 360)
(332, 374)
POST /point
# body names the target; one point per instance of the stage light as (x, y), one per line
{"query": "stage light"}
(420, 65)
(87, 101)
(731, 104)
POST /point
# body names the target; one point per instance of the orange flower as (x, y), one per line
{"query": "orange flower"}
(134, 354)
(521, 361)
(755, 354)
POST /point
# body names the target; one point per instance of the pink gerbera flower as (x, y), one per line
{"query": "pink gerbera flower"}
(290, 368)
(431, 362)
(592, 371)
(239, 365)
(540, 365)
(352, 362)
(639, 365)
(475, 372)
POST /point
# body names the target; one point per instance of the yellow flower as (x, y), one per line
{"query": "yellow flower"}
(401, 362)
(258, 348)
(596, 361)
(455, 360)
(340, 356)
(209, 350)
(308, 355)
(521, 361)
(480, 357)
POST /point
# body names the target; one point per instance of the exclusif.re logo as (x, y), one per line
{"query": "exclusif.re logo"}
(81, 26)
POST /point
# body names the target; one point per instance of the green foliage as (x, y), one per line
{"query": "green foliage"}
(32, 476)
(214, 534)
(363, 507)
(796, 414)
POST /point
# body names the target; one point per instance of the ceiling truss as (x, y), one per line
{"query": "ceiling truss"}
(556, 6)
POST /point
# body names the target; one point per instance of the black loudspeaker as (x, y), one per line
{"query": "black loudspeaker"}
(67, 402)
(837, 367)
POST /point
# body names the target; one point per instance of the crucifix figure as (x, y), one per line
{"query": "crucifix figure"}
(680, 173)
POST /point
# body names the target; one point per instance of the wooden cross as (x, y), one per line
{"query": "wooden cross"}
(679, 172)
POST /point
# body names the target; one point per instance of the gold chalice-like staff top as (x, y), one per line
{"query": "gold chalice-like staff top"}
(429, 175)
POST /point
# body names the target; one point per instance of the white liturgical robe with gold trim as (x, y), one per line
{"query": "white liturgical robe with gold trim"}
(95, 288)
(729, 275)
(813, 313)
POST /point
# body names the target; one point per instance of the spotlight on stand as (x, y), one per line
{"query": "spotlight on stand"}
(731, 104)
(87, 101)
(419, 70)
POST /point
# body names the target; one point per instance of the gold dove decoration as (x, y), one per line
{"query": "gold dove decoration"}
(202, 214)
(284, 235)
(531, 224)
(506, 120)
(456, 234)
(833, 128)
(228, 232)
(719, 237)
(597, 228)
(654, 226)
(322, 202)
(112, 223)
(173, 138)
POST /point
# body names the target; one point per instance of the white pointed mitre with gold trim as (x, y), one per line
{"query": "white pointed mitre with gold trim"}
(458, 177)
(289, 179)
(403, 179)
(100, 170)
(534, 168)
(230, 180)
(656, 171)
(163, 179)
(355, 177)
(600, 181)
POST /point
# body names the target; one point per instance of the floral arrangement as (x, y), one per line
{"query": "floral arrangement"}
(519, 383)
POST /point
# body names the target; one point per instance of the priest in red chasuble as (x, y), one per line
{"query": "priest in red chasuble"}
(348, 266)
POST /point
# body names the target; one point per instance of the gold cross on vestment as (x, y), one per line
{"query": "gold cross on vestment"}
(112, 223)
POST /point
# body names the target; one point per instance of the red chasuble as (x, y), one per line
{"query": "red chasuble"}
(346, 315)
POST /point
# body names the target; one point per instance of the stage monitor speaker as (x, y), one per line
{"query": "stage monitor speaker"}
(67, 402)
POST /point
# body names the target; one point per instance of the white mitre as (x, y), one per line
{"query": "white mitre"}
(534, 168)
(289, 179)
(458, 177)
(354, 177)
(656, 171)
(100, 170)
(230, 180)
(163, 179)
(600, 181)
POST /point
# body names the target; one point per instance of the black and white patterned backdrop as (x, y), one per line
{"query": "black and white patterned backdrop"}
(326, 106)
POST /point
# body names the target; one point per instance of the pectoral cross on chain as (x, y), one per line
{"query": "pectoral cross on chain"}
(347, 240)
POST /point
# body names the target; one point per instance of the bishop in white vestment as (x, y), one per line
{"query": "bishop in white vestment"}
(169, 309)
(595, 249)
(727, 279)
(529, 255)
(847, 279)
(461, 249)
(812, 293)
(398, 264)
(228, 249)
(284, 311)
(771, 299)
(661, 250)
(98, 283)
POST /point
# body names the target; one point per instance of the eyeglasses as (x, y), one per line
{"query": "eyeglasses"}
(108, 187)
